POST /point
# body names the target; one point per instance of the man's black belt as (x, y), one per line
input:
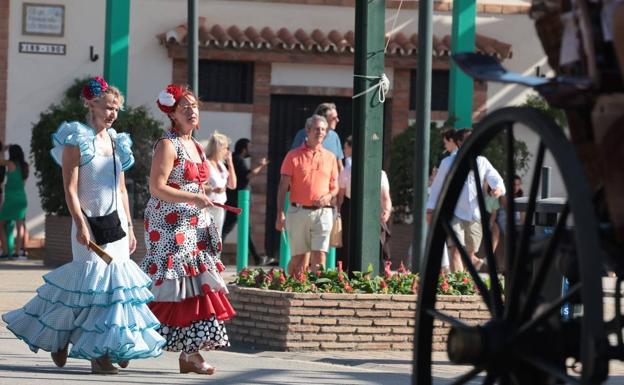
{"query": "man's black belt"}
(309, 207)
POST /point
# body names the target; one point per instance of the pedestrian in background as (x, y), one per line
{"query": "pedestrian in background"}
(311, 174)
(244, 174)
(15, 203)
(221, 175)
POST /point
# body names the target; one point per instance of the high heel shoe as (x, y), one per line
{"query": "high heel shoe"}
(188, 366)
(60, 357)
(123, 364)
(103, 365)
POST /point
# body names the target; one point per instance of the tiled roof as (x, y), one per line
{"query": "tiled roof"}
(319, 41)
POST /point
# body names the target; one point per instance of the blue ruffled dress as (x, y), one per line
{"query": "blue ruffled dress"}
(98, 309)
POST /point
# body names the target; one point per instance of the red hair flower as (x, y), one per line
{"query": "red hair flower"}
(94, 88)
(169, 98)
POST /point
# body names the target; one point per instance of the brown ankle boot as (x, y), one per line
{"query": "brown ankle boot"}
(189, 366)
(103, 365)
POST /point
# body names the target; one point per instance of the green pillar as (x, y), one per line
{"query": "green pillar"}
(242, 238)
(193, 48)
(284, 253)
(461, 87)
(330, 263)
(367, 135)
(423, 121)
(116, 43)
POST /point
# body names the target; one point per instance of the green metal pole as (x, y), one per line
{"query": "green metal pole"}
(242, 239)
(116, 43)
(461, 86)
(284, 246)
(368, 137)
(193, 51)
(423, 121)
(330, 263)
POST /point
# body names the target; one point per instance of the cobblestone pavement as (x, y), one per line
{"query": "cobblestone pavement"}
(236, 365)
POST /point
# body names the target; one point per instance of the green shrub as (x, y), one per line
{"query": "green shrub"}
(143, 130)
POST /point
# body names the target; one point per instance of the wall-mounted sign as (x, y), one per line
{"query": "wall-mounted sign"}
(43, 48)
(43, 19)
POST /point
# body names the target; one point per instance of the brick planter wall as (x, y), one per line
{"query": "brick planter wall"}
(306, 321)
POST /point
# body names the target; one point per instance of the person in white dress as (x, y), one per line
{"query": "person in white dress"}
(221, 175)
(97, 308)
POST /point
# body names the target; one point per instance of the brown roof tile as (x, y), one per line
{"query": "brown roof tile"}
(318, 41)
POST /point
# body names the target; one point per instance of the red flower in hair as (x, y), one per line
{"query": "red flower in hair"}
(169, 98)
(94, 88)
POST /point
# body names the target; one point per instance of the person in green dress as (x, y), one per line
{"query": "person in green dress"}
(15, 203)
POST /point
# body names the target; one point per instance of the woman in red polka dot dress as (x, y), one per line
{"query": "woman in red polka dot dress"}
(183, 244)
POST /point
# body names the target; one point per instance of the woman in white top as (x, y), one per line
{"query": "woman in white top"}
(221, 175)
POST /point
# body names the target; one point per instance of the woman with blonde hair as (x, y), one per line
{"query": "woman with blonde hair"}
(96, 306)
(222, 175)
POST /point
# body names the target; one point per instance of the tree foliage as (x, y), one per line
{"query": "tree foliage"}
(143, 130)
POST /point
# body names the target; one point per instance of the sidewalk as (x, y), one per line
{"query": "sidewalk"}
(236, 365)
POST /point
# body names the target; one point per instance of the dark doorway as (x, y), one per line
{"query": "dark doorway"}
(288, 115)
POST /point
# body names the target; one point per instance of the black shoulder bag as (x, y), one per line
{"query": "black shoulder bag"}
(107, 228)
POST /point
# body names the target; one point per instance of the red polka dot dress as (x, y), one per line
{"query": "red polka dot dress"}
(183, 260)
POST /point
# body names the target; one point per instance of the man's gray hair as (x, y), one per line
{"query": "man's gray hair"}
(313, 119)
(324, 108)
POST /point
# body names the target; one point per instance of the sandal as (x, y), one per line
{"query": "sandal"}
(188, 366)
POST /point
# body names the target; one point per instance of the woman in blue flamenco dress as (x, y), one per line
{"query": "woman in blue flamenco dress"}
(87, 308)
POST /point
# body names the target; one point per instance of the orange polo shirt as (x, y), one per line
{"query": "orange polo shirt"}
(313, 173)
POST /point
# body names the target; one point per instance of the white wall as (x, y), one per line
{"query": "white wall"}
(35, 81)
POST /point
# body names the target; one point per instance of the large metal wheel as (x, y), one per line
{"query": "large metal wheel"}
(525, 340)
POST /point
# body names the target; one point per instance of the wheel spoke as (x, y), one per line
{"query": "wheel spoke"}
(464, 378)
(549, 311)
(546, 259)
(548, 368)
(447, 318)
(510, 226)
(483, 290)
(517, 275)
(495, 290)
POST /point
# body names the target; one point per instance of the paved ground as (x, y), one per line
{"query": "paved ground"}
(237, 365)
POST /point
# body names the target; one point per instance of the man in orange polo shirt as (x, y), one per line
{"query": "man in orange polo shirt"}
(311, 173)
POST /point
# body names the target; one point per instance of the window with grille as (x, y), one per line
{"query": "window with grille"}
(439, 90)
(225, 81)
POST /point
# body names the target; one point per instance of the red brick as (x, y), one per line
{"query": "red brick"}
(304, 328)
(403, 346)
(357, 304)
(373, 346)
(337, 345)
(389, 338)
(355, 321)
(320, 303)
(372, 313)
(374, 330)
(355, 338)
(393, 305)
(338, 329)
(404, 330)
(302, 345)
(319, 321)
(338, 312)
(402, 314)
(319, 337)
(390, 322)
(304, 311)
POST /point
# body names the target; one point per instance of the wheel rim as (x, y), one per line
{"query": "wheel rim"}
(498, 348)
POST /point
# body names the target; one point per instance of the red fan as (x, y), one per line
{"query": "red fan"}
(232, 209)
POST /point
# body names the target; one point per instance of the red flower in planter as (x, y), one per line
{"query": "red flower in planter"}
(244, 273)
(383, 284)
(348, 287)
(302, 277)
(402, 268)
(465, 280)
(340, 278)
(387, 270)
(444, 286)
(318, 273)
(282, 278)
(415, 285)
